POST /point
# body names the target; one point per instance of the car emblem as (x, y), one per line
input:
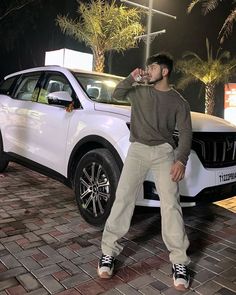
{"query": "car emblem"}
(229, 144)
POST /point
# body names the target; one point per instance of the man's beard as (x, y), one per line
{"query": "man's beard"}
(157, 80)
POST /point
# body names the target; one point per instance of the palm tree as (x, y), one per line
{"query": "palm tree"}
(208, 6)
(210, 72)
(103, 27)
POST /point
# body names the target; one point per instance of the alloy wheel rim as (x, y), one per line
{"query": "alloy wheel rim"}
(94, 189)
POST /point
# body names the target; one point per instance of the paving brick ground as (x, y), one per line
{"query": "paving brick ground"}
(47, 248)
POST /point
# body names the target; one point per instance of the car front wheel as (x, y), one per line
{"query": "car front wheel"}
(96, 179)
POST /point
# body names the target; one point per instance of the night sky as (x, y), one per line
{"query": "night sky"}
(26, 35)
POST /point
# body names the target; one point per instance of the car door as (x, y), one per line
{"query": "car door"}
(16, 114)
(51, 123)
(35, 129)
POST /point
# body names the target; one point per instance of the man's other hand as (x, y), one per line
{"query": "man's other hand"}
(177, 171)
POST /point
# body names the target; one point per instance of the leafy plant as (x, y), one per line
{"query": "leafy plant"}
(103, 27)
(209, 72)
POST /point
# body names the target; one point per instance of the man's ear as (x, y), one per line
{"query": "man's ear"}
(165, 72)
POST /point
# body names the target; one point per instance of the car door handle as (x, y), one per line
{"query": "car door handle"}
(34, 113)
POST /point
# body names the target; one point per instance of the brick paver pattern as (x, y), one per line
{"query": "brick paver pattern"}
(47, 248)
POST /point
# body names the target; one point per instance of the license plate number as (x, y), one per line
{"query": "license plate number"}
(226, 176)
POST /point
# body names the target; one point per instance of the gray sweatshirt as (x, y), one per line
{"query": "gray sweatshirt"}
(156, 114)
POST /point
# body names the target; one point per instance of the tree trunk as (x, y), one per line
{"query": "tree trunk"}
(99, 60)
(209, 98)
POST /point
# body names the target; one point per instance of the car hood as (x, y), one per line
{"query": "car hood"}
(115, 109)
(207, 123)
(200, 122)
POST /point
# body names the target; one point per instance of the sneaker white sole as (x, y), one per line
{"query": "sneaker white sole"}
(181, 287)
(104, 274)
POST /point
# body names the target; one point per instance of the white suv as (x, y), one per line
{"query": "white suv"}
(67, 125)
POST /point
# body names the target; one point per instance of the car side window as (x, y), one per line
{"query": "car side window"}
(6, 85)
(55, 83)
(27, 88)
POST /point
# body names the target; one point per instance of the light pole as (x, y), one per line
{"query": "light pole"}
(149, 27)
(149, 22)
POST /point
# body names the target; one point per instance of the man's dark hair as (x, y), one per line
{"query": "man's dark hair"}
(161, 59)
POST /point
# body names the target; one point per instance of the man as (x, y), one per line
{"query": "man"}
(156, 110)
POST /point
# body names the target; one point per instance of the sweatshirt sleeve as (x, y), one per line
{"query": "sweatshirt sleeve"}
(184, 125)
(124, 88)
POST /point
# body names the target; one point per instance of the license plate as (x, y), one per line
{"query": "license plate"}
(226, 176)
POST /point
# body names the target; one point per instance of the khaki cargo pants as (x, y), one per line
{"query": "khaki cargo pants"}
(139, 160)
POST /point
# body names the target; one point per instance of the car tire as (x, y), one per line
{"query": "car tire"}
(96, 178)
(3, 159)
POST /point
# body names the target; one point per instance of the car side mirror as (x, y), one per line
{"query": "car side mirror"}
(59, 98)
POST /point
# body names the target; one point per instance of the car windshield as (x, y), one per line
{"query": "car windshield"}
(100, 87)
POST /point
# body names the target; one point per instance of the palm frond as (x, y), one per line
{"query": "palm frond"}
(224, 55)
(209, 5)
(68, 26)
(124, 39)
(184, 81)
(227, 27)
(209, 50)
(192, 5)
(191, 54)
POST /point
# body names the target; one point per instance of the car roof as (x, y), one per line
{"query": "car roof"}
(60, 69)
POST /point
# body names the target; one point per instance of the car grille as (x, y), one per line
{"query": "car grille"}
(215, 149)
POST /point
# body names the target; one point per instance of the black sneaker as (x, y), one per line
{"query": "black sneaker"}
(105, 266)
(181, 277)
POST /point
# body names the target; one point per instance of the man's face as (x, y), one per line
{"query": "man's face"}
(155, 72)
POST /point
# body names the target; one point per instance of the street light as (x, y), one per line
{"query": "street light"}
(154, 34)
(147, 8)
(149, 23)
(149, 27)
